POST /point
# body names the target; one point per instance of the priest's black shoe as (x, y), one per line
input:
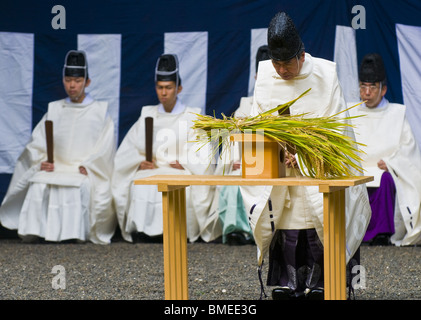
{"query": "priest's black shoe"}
(140, 237)
(283, 293)
(238, 239)
(315, 294)
(382, 239)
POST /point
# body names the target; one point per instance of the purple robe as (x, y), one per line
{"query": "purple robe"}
(382, 202)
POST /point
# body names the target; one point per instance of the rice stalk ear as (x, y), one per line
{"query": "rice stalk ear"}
(347, 109)
(323, 150)
(283, 107)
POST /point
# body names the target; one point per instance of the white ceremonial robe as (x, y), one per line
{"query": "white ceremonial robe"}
(244, 108)
(388, 136)
(139, 207)
(301, 207)
(65, 204)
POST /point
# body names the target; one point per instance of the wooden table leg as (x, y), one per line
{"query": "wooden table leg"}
(175, 243)
(334, 244)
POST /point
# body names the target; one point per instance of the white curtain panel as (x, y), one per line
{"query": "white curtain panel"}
(409, 46)
(191, 49)
(16, 79)
(103, 52)
(345, 56)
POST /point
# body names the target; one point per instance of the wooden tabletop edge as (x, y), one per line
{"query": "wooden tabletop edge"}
(186, 180)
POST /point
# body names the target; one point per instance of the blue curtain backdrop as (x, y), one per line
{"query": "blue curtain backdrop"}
(144, 30)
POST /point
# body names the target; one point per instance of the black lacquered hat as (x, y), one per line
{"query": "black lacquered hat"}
(167, 68)
(262, 54)
(372, 69)
(284, 42)
(75, 64)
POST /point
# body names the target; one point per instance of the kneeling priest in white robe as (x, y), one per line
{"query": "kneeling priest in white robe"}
(139, 207)
(391, 154)
(287, 222)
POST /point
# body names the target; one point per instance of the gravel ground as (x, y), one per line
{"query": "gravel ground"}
(125, 271)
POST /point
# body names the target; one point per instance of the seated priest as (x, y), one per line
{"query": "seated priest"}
(169, 150)
(392, 156)
(67, 197)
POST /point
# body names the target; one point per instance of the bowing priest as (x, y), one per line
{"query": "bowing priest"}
(287, 222)
(139, 208)
(67, 197)
(392, 156)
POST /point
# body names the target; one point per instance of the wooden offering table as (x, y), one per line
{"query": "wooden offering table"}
(175, 233)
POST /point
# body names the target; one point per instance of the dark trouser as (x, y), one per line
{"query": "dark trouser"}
(296, 260)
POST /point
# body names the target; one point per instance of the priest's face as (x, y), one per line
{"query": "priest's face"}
(372, 93)
(167, 92)
(289, 69)
(75, 88)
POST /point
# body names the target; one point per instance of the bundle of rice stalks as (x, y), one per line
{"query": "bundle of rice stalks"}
(320, 143)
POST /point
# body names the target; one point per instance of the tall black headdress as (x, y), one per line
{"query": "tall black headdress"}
(167, 69)
(283, 39)
(372, 69)
(76, 64)
(261, 55)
